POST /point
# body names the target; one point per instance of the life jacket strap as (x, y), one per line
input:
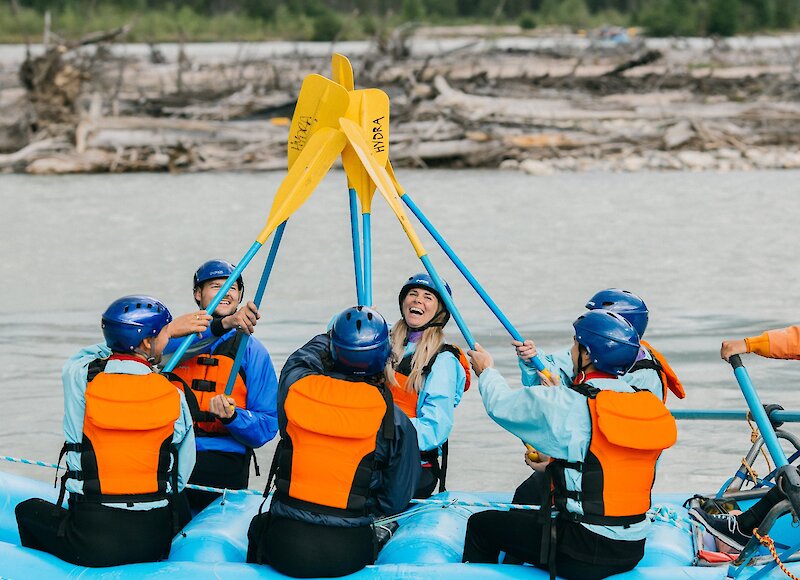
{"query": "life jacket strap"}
(438, 467)
(204, 386)
(208, 361)
(273, 468)
(289, 501)
(198, 416)
(646, 363)
(252, 454)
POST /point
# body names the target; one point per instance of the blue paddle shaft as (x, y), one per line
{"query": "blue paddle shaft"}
(731, 415)
(262, 286)
(367, 233)
(356, 246)
(237, 271)
(448, 300)
(757, 411)
(536, 360)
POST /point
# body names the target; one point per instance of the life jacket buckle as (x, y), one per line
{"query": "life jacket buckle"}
(208, 361)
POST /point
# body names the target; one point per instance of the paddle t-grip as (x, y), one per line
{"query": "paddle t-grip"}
(532, 454)
(736, 361)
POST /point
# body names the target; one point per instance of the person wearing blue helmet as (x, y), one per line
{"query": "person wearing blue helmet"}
(129, 445)
(430, 375)
(604, 438)
(651, 371)
(347, 454)
(227, 428)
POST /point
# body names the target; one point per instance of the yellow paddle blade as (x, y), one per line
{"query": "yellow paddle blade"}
(390, 172)
(310, 167)
(370, 109)
(320, 104)
(377, 173)
(342, 71)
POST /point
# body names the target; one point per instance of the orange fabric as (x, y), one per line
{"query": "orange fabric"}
(629, 431)
(333, 425)
(758, 344)
(128, 418)
(464, 362)
(784, 343)
(406, 400)
(218, 374)
(669, 378)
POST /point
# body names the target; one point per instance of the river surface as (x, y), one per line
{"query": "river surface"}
(714, 256)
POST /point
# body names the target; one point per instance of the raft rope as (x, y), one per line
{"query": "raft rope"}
(439, 503)
(769, 543)
(754, 435)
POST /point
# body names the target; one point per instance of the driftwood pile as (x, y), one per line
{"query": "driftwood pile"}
(557, 104)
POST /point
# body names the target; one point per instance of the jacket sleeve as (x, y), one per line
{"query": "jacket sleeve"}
(258, 423)
(559, 363)
(780, 343)
(200, 345)
(434, 418)
(183, 437)
(397, 481)
(555, 420)
(73, 377)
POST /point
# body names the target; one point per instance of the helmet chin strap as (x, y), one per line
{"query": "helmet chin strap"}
(151, 357)
(580, 376)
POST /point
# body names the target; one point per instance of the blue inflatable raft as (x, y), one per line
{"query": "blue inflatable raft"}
(428, 544)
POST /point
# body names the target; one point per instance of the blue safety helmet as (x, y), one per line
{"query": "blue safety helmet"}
(626, 304)
(360, 341)
(612, 342)
(424, 281)
(214, 269)
(131, 319)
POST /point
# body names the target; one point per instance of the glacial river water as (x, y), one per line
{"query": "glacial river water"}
(714, 255)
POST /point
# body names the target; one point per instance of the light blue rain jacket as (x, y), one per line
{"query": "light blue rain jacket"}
(556, 421)
(643, 379)
(440, 394)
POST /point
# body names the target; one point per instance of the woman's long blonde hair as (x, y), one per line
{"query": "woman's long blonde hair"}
(427, 347)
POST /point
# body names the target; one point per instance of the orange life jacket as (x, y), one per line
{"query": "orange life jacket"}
(326, 461)
(629, 432)
(669, 380)
(407, 399)
(206, 375)
(127, 438)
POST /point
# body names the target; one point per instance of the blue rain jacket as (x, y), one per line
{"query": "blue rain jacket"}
(393, 485)
(258, 423)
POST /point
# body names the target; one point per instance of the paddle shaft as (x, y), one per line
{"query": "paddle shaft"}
(356, 246)
(366, 218)
(757, 411)
(731, 415)
(536, 360)
(378, 174)
(262, 286)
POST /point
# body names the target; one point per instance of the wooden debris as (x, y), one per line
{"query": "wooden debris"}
(552, 107)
